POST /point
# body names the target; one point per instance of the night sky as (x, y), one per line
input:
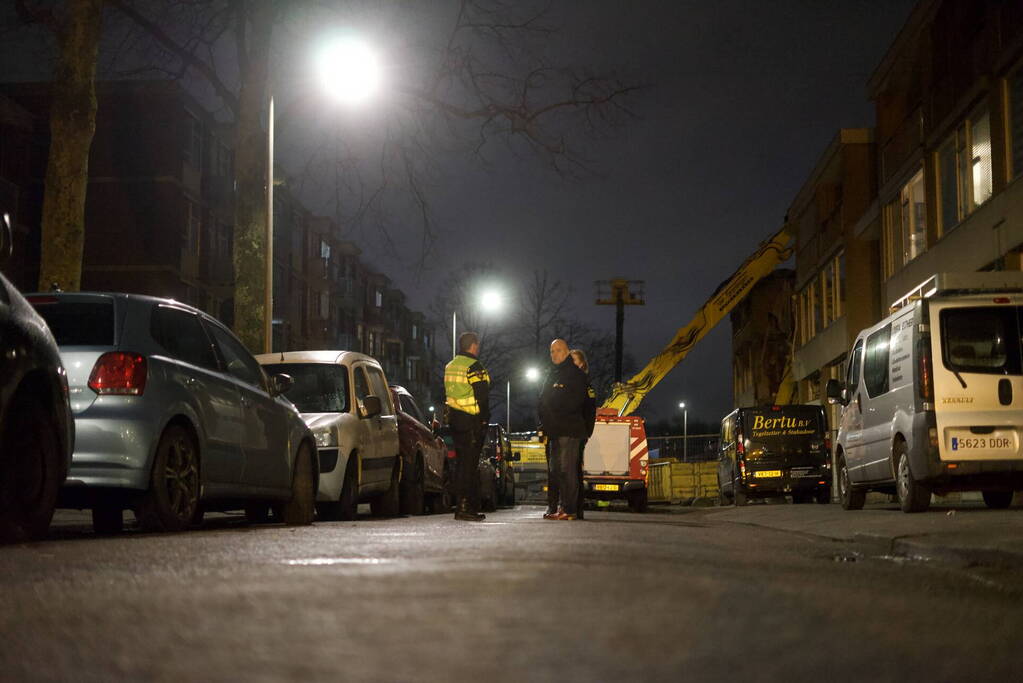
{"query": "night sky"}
(742, 99)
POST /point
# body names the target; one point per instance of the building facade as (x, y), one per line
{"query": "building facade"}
(762, 340)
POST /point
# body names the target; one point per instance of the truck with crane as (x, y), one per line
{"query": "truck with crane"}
(615, 461)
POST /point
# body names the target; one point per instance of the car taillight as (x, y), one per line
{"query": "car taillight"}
(497, 454)
(119, 373)
(926, 377)
(740, 448)
(827, 444)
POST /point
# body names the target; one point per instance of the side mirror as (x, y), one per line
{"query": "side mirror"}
(280, 383)
(371, 406)
(835, 392)
(515, 457)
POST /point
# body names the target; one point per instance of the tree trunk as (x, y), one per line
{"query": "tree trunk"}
(72, 125)
(250, 163)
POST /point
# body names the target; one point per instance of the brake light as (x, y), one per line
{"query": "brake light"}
(37, 300)
(119, 373)
(1001, 300)
(827, 444)
(740, 448)
(926, 378)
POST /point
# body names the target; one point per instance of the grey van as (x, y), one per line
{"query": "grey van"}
(933, 395)
(774, 451)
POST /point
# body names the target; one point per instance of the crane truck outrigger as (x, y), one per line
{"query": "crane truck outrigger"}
(615, 459)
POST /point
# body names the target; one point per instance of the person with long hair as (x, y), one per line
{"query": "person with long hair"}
(590, 415)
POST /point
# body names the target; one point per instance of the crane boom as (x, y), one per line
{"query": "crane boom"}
(626, 397)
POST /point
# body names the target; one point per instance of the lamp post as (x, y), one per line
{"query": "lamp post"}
(685, 431)
(350, 72)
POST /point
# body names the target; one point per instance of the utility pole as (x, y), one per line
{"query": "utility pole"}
(619, 293)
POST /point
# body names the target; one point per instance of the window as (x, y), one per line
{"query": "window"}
(193, 140)
(223, 160)
(379, 299)
(875, 362)
(379, 388)
(316, 387)
(409, 407)
(78, 323)
(415, 331)
(855, 360)
(236, 359)
(905, 226)
(193, 227)
(983, 340)
(1016, 121)
(180, 334)
(965, 179)
(325, 305)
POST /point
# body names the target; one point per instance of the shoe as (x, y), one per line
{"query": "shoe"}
(464, 514)
(565, 516)
(550, 515)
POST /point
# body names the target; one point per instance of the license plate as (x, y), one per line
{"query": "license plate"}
(987, 442)
(767, 474)
(605, 487)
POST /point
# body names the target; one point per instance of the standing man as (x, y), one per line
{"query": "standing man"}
(562, 406)
(467, 410)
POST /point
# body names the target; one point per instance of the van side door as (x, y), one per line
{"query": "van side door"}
(726, 453)
(878, 411)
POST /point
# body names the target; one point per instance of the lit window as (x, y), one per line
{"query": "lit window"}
(965, 179)
(905, 226)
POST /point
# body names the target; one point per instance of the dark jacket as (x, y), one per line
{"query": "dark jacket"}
(562, 401)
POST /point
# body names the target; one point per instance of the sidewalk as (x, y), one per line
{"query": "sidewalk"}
(963, 533)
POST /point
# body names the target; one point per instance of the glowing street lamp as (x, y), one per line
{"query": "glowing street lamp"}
(490, 301)
(685, 431)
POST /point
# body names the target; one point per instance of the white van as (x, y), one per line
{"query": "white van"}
(933, 395)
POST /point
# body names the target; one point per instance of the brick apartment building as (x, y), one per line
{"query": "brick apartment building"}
(159, 216)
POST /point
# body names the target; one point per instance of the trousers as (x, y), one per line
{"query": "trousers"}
(566, 452)
(468, 445)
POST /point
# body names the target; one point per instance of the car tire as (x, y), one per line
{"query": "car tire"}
(852, 498)
(997, 500)
(107, 519)
(739, 496)
(637, 500)
(509, 492)
(722, 498)
(388, 503)
(348, 500)
(301, 508)
(913, 496)
(173, 494)
(31, 469)
(413, 489)
(488, 500)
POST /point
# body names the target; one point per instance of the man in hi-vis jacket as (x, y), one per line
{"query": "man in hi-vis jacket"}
(467, 409)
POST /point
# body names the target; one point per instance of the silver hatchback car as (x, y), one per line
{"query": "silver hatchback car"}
(174, 416)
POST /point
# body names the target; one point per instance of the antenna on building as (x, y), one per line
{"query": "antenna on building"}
(619, 293)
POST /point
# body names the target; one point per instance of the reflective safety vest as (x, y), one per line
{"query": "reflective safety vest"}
(458, 381)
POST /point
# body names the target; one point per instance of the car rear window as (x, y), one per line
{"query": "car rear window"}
(79, 323)
(985, 339)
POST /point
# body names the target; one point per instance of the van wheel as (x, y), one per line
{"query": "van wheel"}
(997, 500)
(637, 500)
(851, 497)
(173, 492)
(738, 493)
(722, 498)
(913, 496)
(387, 503)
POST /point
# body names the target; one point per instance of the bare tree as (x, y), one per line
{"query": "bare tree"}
(76, 26)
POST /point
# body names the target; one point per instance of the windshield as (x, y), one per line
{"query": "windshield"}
(784, 428)
(984, 339)
(318, 387)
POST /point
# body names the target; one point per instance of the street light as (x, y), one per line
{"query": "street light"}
(685, 431)
(490, 300)
(350, 72)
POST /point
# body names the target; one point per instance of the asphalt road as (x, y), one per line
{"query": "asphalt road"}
(654, 597)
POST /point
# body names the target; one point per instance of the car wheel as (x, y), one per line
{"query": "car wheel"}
(509, 494)
(852, 498)
(387, 504)
(722, 498)
(413, 492)
(997, 500)
(488, 502)
(348, 501)
(738, 493)
(31, 469)
(173, 492)
(300, 510)
(637, 500)
(107, 519)
(913, 496)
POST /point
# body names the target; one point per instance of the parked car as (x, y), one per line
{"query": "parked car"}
(932, 394)
(173, 416)
(36, 427)
(424, 471)
(498, 486)
(343, 397)
(774, 451)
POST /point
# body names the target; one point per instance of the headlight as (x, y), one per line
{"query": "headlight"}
(326, 438)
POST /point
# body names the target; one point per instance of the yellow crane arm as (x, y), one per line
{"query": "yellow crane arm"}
(626, 397)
